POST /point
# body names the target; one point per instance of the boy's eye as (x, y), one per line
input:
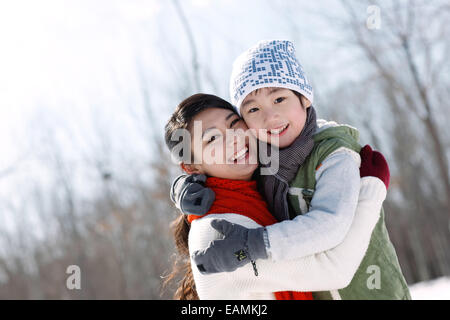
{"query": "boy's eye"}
(252, 110)
(279, 100)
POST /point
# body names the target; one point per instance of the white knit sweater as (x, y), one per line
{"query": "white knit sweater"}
(329, 270)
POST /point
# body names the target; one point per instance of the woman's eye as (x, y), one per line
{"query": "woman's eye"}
(252, 110)
(279, 100)
(212, 139)
(234, 122)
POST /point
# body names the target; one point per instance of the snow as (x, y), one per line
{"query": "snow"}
(437, 289)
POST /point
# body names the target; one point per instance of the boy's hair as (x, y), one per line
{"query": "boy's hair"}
(188, 109)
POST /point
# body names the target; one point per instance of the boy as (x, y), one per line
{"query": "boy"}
(315, 191)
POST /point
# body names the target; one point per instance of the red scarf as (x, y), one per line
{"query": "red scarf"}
(242, 197)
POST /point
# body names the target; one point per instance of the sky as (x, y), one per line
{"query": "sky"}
(72, 73)
(65, 56)
(59, 58)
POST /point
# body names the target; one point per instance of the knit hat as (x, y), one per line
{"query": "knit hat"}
(269, 63)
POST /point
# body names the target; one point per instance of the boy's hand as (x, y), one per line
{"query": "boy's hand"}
(239, 246)
(190, 195)
(374, 164)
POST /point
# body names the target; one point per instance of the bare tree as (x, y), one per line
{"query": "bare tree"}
(192, 44)
(419, 216)
(409, 39)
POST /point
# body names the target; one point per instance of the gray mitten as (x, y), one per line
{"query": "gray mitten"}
(239, 246)
(190, 195)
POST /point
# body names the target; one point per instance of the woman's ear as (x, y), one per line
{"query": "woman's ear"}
(190, 168)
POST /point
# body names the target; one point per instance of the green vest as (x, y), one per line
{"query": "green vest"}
(379, 276)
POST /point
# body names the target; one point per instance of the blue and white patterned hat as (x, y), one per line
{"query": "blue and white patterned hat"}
(269, 63)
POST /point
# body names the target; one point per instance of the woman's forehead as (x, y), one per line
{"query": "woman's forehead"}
(214, 117)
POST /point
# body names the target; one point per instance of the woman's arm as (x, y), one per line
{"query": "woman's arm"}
(328, 270)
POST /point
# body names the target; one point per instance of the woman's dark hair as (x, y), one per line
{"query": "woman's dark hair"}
(181, 119)
(182, 265)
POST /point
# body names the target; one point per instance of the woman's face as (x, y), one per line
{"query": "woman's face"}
(222, 145)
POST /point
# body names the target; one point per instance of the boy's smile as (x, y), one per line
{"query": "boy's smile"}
(278, 130)
(277, 110)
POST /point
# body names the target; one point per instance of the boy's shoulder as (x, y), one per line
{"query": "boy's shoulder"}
(329, 138)
(331, 129)
(330, 135)
(323, 124)
(337, 143)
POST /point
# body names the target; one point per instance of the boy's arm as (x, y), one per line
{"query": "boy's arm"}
(337, 191)
(328, 270)
(373, 164)
(332, 206)
(331, 213)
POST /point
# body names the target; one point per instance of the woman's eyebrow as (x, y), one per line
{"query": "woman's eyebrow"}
(213, 127)
(229, 116)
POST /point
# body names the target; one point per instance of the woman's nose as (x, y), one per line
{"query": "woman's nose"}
(235, 140)
(236, 137)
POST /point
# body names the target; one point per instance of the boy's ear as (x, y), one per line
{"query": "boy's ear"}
(190, 168)
(305, 102)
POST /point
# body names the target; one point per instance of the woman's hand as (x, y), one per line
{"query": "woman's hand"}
(190, 195)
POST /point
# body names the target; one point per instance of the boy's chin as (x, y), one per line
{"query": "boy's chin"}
(281, 143)
(284, 145)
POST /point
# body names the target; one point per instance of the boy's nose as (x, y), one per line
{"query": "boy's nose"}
(270, 115)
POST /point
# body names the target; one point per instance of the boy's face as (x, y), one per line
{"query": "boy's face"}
(277, 110)
(216, 152)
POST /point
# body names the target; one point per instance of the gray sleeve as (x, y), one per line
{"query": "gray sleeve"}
(331, 212)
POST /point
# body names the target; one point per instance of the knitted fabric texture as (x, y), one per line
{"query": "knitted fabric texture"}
(242, 197)
(269, 63)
